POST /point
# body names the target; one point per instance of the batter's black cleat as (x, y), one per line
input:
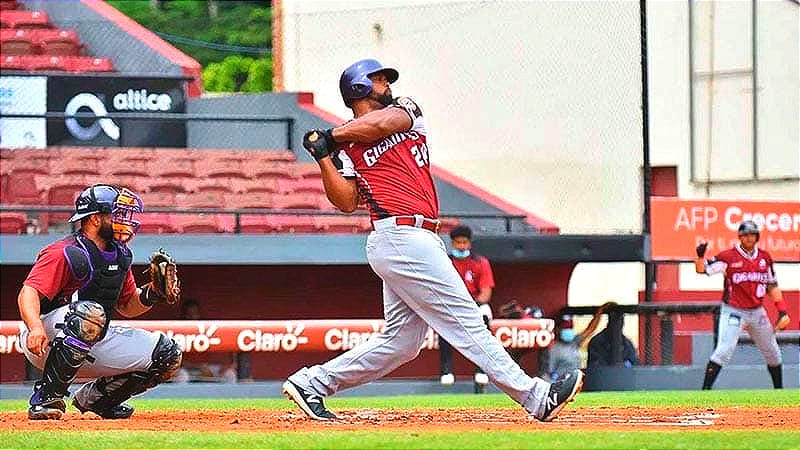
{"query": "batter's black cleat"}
(121, 411)
(311, 404)
(44, 407)
(562, 391)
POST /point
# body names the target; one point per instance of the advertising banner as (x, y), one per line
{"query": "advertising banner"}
(117, 95)
(294, 335)
(679, 225)
(23, 95)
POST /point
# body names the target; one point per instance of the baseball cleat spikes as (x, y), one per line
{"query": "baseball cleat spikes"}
(121, 411)
(561, 392)
(311, 404)
(52, 410)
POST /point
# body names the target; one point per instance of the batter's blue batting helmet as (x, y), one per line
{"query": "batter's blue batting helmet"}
(749, 227)
(355, 83)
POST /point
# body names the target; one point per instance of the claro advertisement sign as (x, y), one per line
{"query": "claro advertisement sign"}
(99, 96)
(678, 225)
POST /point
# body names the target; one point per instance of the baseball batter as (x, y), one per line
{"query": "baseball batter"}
(75, 287)
(749, 276)
(382, 157)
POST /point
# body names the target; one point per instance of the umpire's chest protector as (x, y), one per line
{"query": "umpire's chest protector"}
(103, 272)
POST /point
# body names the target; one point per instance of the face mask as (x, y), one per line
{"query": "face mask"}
(460, 254)
(567, 335)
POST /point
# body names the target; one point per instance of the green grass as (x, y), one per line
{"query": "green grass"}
(531, 438)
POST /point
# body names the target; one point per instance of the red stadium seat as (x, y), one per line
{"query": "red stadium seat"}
(291, 224)
(201, 200)
(298, 201)
(275, 155)
(71, 166)
(88, 64)
(119, 168)
(27, 167)
(46, 63)
(56, 42)
(307, 170)
(313, 186)
(13, 222)
(202, 223)
(270, 169)
(257, 224)
(221, 185)
(160, 199)
(175, 168)
(17, 42)
(24, 19)
(220, 168)
(252, 200)
(158, 223)
(12, 62)
(8, 4)
(244, 186)
(23, 190)
(342, 224)
(171, 185)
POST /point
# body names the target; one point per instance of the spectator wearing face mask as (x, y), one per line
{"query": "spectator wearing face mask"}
(477, 275)
(565, 353)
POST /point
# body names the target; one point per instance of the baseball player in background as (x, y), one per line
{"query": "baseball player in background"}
(749, 276)
(74, 289)
(382, 157)
(477, 274)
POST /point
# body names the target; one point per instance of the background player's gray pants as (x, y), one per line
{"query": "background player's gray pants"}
(420, 288)
(122, 350)
(732, 321)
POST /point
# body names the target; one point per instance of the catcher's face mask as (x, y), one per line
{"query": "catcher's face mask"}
(122, 216)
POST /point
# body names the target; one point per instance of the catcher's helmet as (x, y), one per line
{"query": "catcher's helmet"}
(749, 227)
(355, 83)
(121, 203)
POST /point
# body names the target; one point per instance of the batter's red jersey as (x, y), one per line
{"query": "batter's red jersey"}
(52, 277)
(476, 273)
(393, 175)
(746, 276)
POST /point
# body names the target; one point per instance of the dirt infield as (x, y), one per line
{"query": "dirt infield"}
(255, 420)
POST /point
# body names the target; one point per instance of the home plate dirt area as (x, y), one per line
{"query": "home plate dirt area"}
(442, 419)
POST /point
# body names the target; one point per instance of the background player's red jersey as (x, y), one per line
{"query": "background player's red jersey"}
(746, 277)
(393, 175)
(476, 273)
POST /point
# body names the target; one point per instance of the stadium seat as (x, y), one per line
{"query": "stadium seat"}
(21, 167)
(157, 223)
(342, 224)
(252, 200)
(17, 42)
(313, 186)
(220, 168)
(257, 224)
(291, 224)
(46, 63)
(298, 201)
(23, 19)
(307, 170)
(24, 190)
(175, 168)
(244, 186)
(118, 168)
(138, 185)
(171, 185)
(202, 223)
(159, 199)
(8, 4)
(270, 169)
(88, 64)
(12, 62)
(13, 222)
(221, 185)
(276, 155)
(56, 42)
(201, 200)
(69, 166)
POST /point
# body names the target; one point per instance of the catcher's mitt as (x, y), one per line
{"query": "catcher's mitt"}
(164, 283)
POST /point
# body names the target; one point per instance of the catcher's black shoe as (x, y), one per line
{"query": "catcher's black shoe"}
(121, 411)
(562, 391)
(311, 404)
(45, 407)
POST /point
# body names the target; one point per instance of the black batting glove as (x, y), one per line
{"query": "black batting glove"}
(319, 143)
(701, 249)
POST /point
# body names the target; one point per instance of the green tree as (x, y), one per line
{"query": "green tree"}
(230, 23)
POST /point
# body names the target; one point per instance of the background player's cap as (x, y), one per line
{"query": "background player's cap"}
(355, 83)
(748, 227)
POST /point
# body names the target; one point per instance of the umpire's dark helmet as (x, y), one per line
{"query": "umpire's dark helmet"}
(96, 199)
(355, 83)
(749, 227)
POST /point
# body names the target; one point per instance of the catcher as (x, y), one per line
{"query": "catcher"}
(76, 286)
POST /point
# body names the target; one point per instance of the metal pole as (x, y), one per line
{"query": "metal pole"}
(649, 269)
(692, 176)
(754, 52)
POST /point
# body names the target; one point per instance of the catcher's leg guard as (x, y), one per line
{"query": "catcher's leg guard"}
(105, 396)
(83, 326)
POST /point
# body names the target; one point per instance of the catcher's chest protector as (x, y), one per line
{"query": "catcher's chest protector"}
(106, 271)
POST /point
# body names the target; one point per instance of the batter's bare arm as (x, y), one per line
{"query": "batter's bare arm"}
(29, 309)
(340, 191)
(373, 126)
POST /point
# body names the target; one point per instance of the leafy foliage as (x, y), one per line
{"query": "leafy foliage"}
(231, 23)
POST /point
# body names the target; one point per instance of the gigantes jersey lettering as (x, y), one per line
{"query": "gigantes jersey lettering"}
(393, 175)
